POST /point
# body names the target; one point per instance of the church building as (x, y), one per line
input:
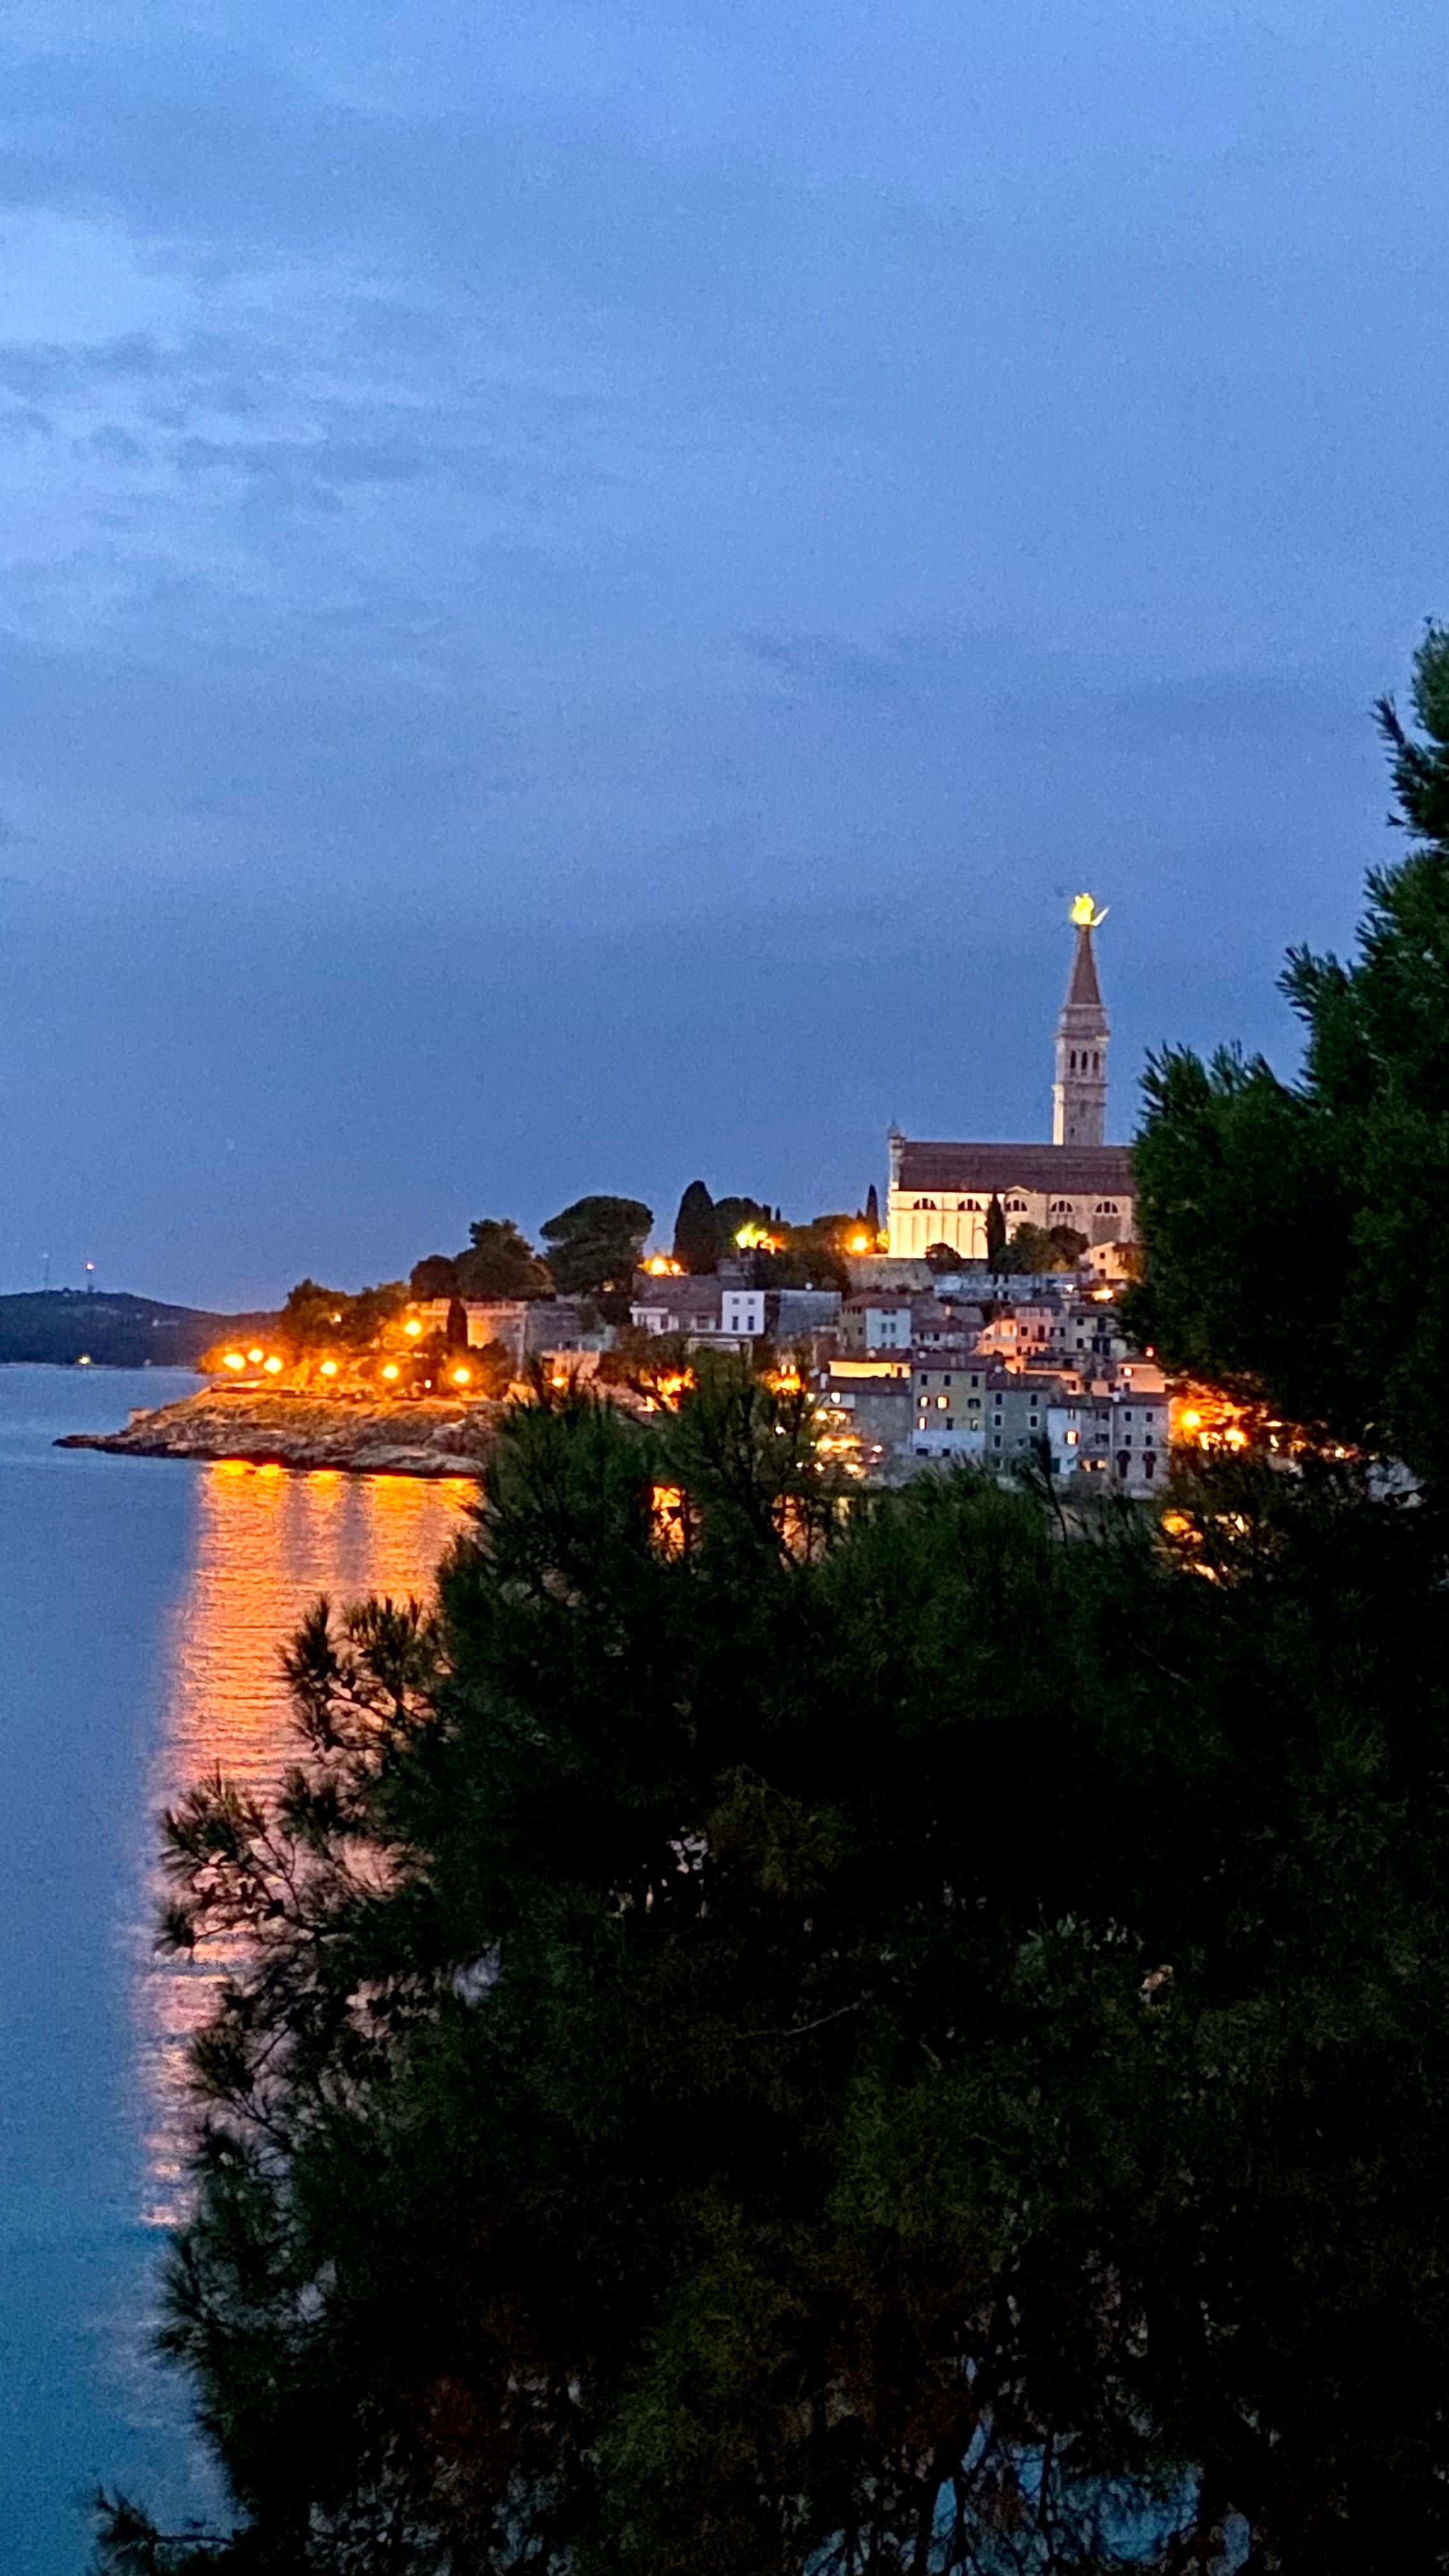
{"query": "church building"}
(939, 1193)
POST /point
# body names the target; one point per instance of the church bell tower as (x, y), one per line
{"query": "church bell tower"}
(1079, 1093)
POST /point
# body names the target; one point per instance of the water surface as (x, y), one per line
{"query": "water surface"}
(142, 1605)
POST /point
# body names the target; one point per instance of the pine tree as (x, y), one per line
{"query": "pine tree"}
(1296, 1247)
(596, 1244)
(778, 2034)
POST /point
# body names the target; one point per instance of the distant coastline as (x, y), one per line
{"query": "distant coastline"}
(74, 1327)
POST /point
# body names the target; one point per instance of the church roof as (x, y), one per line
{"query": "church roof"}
(1074, 1171)
(1084, 992)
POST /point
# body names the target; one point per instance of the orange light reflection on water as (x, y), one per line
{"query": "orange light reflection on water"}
(266, 1544)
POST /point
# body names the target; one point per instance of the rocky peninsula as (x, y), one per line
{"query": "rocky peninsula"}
(403, 1436)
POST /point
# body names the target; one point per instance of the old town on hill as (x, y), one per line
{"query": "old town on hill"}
(984, 1315)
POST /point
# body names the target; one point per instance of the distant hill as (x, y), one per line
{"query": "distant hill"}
(68, 1324)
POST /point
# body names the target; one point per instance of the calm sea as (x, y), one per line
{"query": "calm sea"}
(142, 1603)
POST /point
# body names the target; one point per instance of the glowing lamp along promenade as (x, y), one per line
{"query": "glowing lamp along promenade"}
(329, 1368)
(412, 1328)
(390, 1370)
(255, 1357)
(462, 1377)
(233, 1360)
(273, 1367)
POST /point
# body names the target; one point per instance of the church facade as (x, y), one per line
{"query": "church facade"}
(940, 1193)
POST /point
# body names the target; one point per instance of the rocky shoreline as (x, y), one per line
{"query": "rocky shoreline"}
(409, 1437)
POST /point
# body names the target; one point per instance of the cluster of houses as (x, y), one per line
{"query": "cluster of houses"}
(916, 1364)
(911, 1364)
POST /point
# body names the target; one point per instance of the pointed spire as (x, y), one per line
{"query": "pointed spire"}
(1083, 989)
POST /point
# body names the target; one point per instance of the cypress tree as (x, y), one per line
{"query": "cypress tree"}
(696, 1231)
(995, 1232)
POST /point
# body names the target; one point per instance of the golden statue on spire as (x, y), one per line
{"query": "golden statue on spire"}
(1085, 914)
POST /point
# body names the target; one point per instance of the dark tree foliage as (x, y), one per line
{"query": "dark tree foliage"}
(706, 1230)
(492, 1368)
(313, 1315)
(995, 1231)
(1296, 1237)
(784, 2038)
(810, 1256)
(500, 1262)
(872, 1211)
(596, 1244)
(733, 1215)
(434, 1276)
(1030, 1250)
(1037, 1248)
(696, 1232)
(650, 1364)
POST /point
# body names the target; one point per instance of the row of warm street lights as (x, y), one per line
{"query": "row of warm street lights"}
(237, 1362)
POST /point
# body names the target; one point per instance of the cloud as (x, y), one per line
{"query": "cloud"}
(110, 445)
(61, 371)
(23, 422)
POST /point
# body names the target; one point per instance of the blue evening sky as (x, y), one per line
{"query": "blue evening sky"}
(583, 582)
